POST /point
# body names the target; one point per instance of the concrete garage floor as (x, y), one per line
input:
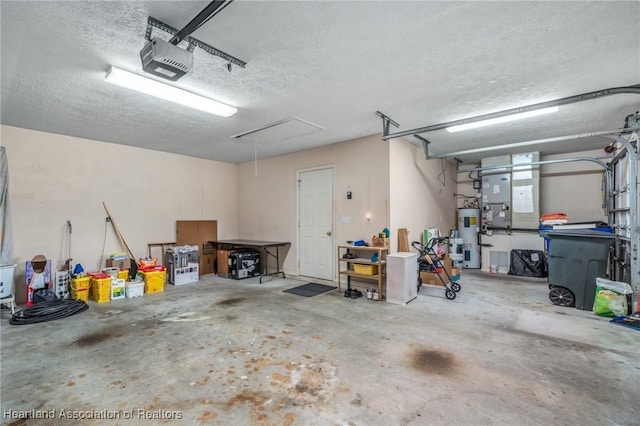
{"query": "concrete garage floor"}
(226, 352)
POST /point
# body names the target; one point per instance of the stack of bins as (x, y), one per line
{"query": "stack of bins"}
(154, 278)
(80, 288)
(100, 287)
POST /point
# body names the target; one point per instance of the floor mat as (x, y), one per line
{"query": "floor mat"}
(309, 289)
(627, 322)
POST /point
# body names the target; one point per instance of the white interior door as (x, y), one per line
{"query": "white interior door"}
(315, 213)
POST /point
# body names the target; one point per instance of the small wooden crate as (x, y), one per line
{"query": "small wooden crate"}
(379, 242)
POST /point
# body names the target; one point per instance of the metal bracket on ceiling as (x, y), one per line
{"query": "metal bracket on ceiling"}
(631, 129)
(632, 121)
(425, 145)
(193, 42)
(386, 120)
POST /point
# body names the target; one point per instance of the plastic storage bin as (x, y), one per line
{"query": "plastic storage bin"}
(154, 278)
(365, 269)
(7, 296)
(80, 288)
(123, 274)
(576, 259)
(134, 289)
(6, 280)
(80, 282)
(100, 287)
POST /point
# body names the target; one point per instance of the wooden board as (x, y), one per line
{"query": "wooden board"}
(403, 240)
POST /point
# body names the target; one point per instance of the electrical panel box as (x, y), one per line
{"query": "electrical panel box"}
(496, 194)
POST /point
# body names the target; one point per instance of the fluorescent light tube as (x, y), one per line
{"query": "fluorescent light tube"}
(170, 93)
(498, 120)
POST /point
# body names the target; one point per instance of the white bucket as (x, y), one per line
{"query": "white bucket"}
(6, 280)
(111, 271)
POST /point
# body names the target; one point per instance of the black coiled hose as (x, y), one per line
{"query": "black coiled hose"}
(48, 311)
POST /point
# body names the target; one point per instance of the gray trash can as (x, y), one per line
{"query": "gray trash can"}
(576, 258)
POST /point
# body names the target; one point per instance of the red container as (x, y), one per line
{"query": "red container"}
(152, 269)
(98, 275)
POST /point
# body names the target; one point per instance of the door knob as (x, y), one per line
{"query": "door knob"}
(328, 233)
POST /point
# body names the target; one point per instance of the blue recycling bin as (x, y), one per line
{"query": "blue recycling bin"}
(550, 228)
(576, 258)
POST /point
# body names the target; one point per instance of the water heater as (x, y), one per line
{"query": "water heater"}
(468, 228)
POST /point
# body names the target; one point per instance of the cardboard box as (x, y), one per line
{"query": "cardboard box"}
(119, 263)
(243, 264)
(206, 264)
(432, 277)
(223, 262)
(448, 264)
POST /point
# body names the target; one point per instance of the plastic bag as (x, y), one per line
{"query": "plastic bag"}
(608, 303)
(611, 298)
(44, 295)
(148, 262)
(528, 263)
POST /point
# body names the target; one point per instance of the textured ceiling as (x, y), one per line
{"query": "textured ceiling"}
(332, 63)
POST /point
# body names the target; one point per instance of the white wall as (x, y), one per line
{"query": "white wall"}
(421, 192)
(56, 178)
(573, 188)
(267, 207)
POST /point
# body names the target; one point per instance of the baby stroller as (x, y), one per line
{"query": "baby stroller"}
(428, 261)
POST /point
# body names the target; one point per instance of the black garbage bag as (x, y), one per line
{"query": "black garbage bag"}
(528, 263)
(43, 295)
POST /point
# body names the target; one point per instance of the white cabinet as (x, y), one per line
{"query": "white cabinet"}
(402, 277)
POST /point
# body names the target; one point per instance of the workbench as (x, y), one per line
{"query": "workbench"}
(264, 247)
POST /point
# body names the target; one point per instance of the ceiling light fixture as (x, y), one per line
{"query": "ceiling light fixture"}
(170, 93)
(499, 120)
